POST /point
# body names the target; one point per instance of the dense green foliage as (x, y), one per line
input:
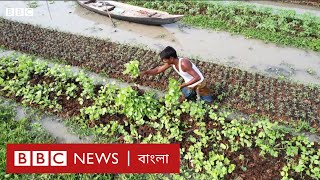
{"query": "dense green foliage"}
(210, 142)
(284, 27)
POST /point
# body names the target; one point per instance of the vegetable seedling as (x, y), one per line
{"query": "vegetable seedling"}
(132, 68)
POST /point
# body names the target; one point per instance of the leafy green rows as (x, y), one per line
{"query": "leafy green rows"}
(211, 144)
(284, 27)
(247, 92)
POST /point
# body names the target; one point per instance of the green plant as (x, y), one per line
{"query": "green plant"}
(173, 94)
(308, 161)
(218, 166)
(267, 139)
(87, 85)
(311, 71)
(33, 4)
(132, 68)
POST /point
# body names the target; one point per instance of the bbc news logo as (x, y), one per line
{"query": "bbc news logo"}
(19, 12)
(93, 158)
(40, 158)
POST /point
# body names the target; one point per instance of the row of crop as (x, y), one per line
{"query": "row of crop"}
(245, 15)
(303, 2)
(250, 93)
(210, 144)
(240, 16)
(255, 93)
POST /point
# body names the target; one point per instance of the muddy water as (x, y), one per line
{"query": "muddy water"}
(4, 53)
(52, 124)
(219, 47)
(57, 129)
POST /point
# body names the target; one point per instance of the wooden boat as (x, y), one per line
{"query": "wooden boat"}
(131, 13)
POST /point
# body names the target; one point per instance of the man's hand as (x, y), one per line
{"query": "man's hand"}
(142, 73)
(182, 98)
(185, 85)
(156, 70)
(182, 85)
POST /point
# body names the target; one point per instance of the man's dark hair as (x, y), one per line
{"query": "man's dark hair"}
(168, 52)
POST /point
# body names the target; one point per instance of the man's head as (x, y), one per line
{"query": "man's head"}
(168, 55)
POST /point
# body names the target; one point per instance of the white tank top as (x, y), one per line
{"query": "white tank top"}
(186, 76)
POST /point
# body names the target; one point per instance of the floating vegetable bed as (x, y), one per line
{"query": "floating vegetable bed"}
(244, 91)
(212, 146)
(284, 27)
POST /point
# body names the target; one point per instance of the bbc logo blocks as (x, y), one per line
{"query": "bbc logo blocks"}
(19, 12)
(93, 158)
(40, 158)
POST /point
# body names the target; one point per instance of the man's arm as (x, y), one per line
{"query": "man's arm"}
(186, 66)
(156, 70)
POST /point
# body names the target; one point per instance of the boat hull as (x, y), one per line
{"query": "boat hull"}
(141, 20)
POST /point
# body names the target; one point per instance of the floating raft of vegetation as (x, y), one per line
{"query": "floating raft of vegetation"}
(244, 91)
(284, 27)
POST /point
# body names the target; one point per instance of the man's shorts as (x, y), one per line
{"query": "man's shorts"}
(191, 94)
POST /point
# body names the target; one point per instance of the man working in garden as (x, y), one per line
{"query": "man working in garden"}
(194, 85)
